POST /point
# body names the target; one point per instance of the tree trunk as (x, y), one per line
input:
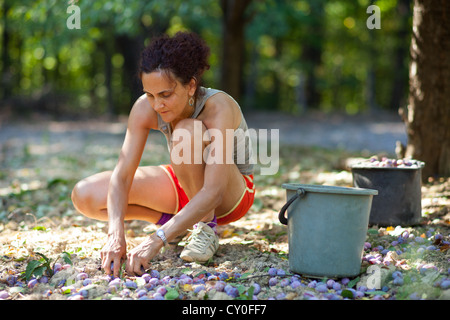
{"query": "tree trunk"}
(130, 48)
(233, 49)
(428, 114)
(312, 52)
(6, 61)
(400, 74)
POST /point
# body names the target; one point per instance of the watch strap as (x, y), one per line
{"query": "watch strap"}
(160, 234)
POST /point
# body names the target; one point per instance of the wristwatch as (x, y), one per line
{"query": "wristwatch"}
(162, 236)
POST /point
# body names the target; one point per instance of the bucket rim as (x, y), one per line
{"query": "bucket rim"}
(330, 189)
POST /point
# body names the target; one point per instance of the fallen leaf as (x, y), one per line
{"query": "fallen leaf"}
(227, 233)
(187, 287)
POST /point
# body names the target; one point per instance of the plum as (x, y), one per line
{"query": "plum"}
(146, 277)
(281, 296)
(337, 286)
(87, 282)
(125, 292)
(76, 297)
(223, 276)
(445, 284)
(272, 272)
(47, 293)
(57, 267)
(81, 276)
(295, 284)
(130, 284)
(281, 272)
(199, 288)
(398, 281)
(154, 274)
(154, 281)
(273, 281)
(161, 290)
(43, 279)
(158, 296)
(11, 280)
(330, 283)
(141, 293)
(257, 288)
(231, 291)
(84, 293)
(32, 283)
(219, 286)
(116, 282)
(4, 294)
(166, 280)
(322, 288)
(285, 282)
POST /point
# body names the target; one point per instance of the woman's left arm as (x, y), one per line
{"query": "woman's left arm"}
(216, 176)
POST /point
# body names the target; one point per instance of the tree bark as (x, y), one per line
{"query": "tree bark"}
(233, 50)
(400, 75)
(6, 61)
(312, 49)
(428, 112)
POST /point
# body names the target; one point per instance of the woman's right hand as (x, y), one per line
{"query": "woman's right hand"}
(114, 251)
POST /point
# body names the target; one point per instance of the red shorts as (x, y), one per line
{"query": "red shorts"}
(236, 213)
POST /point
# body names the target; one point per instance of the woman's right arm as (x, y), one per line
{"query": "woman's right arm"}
(142, 118)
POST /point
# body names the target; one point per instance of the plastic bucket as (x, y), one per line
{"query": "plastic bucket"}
(399, 201)
(327, 228)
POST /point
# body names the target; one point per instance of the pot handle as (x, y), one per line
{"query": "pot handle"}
(281, 216)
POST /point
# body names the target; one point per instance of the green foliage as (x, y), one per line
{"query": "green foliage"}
(49, 61)
(43, 266)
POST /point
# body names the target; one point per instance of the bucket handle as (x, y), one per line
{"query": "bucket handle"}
(299, 194)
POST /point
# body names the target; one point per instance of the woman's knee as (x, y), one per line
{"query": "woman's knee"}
(84, 198)
(79, 196)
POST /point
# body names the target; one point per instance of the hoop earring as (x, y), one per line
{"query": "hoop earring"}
(191, 101)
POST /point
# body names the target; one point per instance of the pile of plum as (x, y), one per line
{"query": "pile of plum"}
(395, 256)
(384, 162)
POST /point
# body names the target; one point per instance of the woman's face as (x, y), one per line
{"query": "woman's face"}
(168, 96)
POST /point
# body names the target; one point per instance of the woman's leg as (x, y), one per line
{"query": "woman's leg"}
(191, 175)
(151, 194)
(204, 241)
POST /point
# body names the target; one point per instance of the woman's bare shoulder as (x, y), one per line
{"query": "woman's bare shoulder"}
(222, 106)
(142, 114)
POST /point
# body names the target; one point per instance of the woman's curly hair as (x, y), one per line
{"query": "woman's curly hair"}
(185, 55)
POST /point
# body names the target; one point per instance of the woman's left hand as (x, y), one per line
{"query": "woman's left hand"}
(138, 259)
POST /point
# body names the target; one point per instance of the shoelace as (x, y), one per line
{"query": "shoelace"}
(202, 238)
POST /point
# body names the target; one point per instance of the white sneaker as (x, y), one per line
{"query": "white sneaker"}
(203, 244)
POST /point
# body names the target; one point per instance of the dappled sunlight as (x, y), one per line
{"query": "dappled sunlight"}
(37, 174)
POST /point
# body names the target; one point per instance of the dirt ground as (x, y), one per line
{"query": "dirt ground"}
(40, 162)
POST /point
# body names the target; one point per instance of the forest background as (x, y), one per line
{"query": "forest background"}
(79, 59)
(303, 64)
(287, 55)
